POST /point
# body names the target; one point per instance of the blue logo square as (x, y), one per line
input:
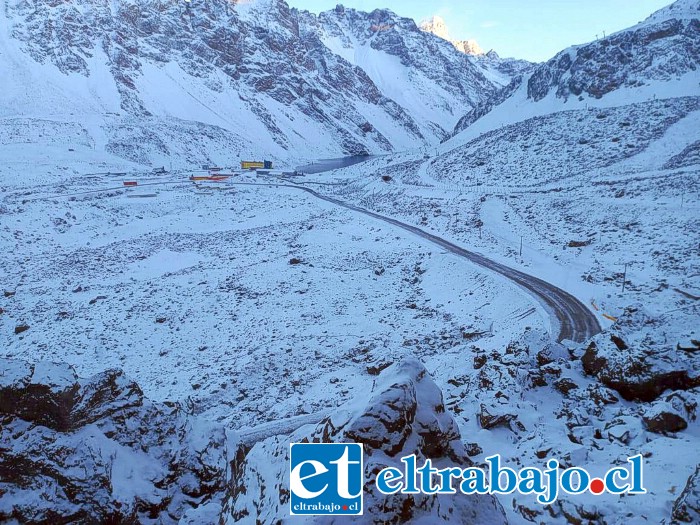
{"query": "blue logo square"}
(326, 479)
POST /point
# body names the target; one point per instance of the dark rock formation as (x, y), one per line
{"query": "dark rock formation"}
(634, 358)
(98, 451)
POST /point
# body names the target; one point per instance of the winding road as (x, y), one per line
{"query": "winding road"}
(576, 322)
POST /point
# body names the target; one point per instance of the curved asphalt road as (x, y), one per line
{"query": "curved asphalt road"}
(576, 322)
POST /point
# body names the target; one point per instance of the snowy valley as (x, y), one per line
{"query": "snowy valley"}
(514, 269)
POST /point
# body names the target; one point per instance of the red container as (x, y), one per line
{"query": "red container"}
(131, 183)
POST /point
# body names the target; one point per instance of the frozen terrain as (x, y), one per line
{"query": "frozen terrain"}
(518, 265)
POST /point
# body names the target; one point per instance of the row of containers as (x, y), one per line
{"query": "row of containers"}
(262, 167)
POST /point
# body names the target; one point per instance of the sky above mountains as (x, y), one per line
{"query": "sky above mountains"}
(531, 30)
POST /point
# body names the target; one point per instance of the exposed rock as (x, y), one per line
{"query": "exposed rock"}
(21, 328)
(663, 422)
(473, 449)
(579, 244)
(405, 415)
(98, 451)
(565, 385)
(686, 509)
(43, 394)
(624, 429)
(376, 368)
(488, 421)
(544, 357)
(662, 417)
(633, 358)
(664, 46)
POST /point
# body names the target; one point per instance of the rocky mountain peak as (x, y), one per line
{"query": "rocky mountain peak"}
(437, 26)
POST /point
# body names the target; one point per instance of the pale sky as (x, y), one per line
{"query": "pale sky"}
(534, 30)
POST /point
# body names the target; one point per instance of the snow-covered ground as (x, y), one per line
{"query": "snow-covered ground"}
(594, 195)
(264, 310)
(260, 298)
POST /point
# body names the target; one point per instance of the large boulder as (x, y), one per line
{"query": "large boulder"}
(44, 393)
(404, 415)
(639, 357)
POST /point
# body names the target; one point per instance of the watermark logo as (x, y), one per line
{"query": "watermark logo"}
(326, 478)
(544, 484)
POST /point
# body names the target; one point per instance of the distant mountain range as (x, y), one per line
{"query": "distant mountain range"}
(155, 81)
(192, 82)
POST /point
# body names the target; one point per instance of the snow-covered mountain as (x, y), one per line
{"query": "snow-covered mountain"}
(158, 81)
(437, 26)
(658, 58)
(425, 75)
(260, 310)
(500, 70)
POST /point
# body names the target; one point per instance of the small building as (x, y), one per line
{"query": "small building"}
(256, 164)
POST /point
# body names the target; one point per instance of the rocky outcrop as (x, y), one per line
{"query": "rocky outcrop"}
(637, 358)
(672, 412)
(98, 451)
(686, 509)
(404, 415)
(665, 46)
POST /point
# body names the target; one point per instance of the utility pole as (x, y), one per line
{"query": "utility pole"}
(624, 279)
(521, 247)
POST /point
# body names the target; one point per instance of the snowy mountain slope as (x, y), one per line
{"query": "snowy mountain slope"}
(664, 47)
(658, 58)
(500, 70)
(419, 72)
(258, 77)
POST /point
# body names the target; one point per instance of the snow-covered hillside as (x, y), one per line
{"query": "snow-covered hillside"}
(352, 305)
(658, 58)
(255, 79)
